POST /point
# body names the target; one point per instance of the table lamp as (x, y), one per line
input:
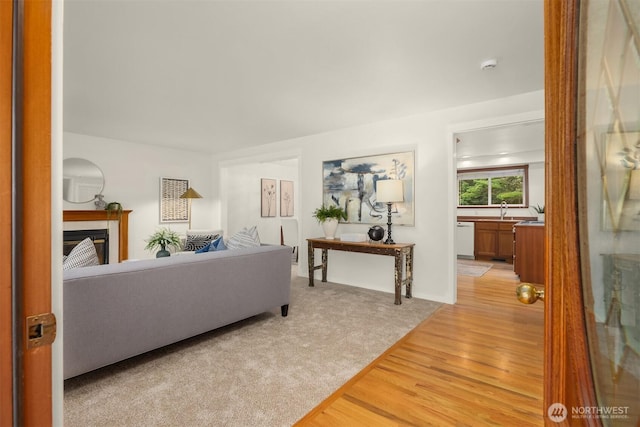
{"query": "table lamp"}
(389, 191)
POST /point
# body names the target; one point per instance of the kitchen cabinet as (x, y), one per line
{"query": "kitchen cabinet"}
(528, 258)
(494, 240)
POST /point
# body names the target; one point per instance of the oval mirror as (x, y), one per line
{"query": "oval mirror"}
(82, 180)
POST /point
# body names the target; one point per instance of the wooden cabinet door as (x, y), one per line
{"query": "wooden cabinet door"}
(485, 240)
(530, 248)
(505, 242)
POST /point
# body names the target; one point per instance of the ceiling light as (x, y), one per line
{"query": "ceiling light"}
(489, 64)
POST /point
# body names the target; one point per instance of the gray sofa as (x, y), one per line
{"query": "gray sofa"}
(116, 311)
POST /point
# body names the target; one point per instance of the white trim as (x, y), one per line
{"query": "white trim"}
(452, 179)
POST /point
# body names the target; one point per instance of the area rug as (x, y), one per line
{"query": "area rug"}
(473, 268)
(265, 371)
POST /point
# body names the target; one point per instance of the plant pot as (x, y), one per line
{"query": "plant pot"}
(163, 252)
(541, 217)
(329, 227)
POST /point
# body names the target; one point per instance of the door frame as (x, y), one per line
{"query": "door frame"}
(567, 370)
(25, 185)
(6, 353)
(498, 121)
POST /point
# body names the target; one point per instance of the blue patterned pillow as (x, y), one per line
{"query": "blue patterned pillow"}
(212, 246)
(220, 246)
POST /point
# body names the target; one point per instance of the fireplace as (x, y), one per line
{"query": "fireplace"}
(98, 219)
(99, 237)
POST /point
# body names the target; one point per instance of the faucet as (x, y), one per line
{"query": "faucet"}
(503, 209)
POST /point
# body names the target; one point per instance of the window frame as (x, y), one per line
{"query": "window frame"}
(489, 170)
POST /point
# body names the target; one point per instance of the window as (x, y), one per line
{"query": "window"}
(491, 186)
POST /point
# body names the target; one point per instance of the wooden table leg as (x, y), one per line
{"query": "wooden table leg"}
(398, 277)
(325, 263)
(409, 270)
(310, 262)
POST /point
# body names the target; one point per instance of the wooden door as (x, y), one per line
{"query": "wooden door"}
(6, 13)
(25, 208)
(591, 92)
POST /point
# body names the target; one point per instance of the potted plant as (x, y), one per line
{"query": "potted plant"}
(162, 239)
(328, 217)
(113, 208)
(540, 211)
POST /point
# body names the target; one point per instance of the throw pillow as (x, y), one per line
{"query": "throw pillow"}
(204, 249)
(82, 255)
(245, 238)
(220, 246)
(198, 241)
(210, 247)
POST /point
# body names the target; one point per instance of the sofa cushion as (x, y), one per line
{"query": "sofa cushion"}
(198, 241)
(82, 255)
(245, 238)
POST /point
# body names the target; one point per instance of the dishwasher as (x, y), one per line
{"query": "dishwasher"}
(464, 239)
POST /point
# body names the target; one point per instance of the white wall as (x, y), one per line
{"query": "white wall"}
(132, 174)
(430, 135)
(240, 184)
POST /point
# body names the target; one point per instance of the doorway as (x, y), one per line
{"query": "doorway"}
(492, 148)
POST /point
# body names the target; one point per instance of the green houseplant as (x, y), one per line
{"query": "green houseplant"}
(332, 212)
(328, 217)
(540, 211)
(162, 239)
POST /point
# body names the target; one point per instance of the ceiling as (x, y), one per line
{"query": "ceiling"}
(216, 76)
(517, 138)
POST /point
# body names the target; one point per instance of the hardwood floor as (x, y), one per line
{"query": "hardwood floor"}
(478, 362)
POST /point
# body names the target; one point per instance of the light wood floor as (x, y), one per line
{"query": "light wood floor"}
(475, 363)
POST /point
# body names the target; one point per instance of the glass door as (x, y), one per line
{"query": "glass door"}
(608, 170)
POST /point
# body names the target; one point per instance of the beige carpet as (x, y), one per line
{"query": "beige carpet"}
(473, 268)
(265, 371)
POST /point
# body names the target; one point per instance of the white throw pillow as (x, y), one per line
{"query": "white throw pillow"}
(245, 238)
(82, 255)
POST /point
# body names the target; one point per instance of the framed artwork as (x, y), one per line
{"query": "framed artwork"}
(286, 198)
(172, 207)
(620, 165)
(351, 184)
(268, 197)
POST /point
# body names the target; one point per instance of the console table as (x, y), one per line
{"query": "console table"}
(397, 250)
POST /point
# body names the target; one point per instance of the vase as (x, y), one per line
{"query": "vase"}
(163, 252)
(329, 227)
(541, 217)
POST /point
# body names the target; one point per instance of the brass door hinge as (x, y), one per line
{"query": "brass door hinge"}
(41, 330)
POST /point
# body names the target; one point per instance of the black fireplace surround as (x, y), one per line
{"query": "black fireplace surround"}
(100, 240)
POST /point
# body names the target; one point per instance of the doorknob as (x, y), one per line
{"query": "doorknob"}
(528, 294)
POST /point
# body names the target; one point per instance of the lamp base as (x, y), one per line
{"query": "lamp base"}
(389, 240)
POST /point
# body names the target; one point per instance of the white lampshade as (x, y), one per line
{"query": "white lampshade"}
(389, 191)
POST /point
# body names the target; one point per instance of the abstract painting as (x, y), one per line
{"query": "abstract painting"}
(351, 184)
